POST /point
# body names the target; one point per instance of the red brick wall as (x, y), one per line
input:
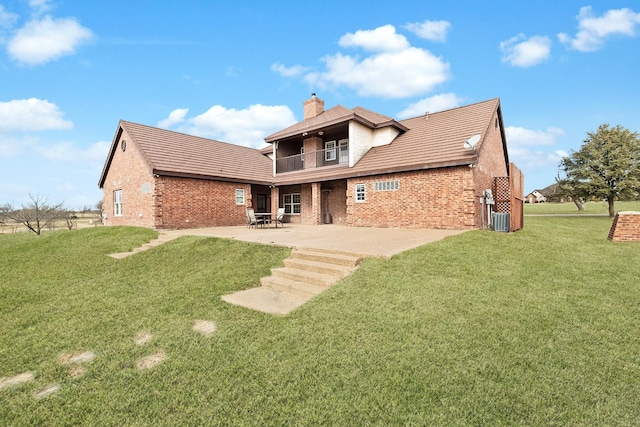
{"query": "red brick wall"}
(438, 198)
(625, 227)
(491, 163)
(336, 201)
(129, 172)
(190, 203)
(306, 206)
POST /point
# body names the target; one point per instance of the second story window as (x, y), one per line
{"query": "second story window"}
(329, 151)
(343, 145)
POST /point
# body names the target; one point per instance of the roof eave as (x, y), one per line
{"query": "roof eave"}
(175, 174)
(112, 150)
(294, 178)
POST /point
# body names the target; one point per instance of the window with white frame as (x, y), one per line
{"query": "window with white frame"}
(361, 193)
(329, 151)
(343, 150)
(292, 203)
(386, 185)
(239, 196)
(117, 203)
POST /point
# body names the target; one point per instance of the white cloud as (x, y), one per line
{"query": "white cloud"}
(40, 6)
(530, 160)
(381, 39)
(68, 152)
(431, 30)
(11, 146)
(31, 115)
(394, 70)
(48, 39)
(400, 74)
(533, 149)
(520, 51)
(246, 127)
(7, 19)
(175, 117)
(432, 104)
(285, 71)
(519, 136)
(592, 30)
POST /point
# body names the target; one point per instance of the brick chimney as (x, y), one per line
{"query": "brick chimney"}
(313, 107)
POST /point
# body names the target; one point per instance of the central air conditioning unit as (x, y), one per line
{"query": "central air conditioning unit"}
(501, 222)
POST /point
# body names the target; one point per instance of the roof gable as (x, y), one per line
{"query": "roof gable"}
(177, 154)
(336, 115)
(434, 140)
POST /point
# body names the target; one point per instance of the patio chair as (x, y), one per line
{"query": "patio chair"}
(252, 221)
(280, 217)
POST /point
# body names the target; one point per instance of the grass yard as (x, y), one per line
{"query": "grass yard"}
(591, 208)
(538, 327)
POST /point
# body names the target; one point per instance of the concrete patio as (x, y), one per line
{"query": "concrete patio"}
(362, 241)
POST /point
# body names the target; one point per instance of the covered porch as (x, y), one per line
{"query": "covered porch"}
(312, 203)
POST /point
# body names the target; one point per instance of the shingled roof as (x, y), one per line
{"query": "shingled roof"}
(430, 141)
(172, 153)
(336, 115)
(425, 142)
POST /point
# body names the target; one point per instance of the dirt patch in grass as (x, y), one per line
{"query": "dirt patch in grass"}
(77, 371)
(44, 392)
(16, 379)
(151, 361)
(77, 357)
(143, 338)
(205, 327)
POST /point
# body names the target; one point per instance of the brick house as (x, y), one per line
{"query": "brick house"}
(343, 166)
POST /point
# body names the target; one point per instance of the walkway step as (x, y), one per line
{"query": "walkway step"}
(266, 300)
(304, 276)
(338, 258)
(338, 270)
(162, 238)
(293, 286)
(307, 273)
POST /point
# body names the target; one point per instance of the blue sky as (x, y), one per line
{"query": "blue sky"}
(238, 71)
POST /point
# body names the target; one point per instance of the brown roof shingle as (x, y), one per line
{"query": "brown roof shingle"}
(427, 142)
(335, 115)
(177, 154)
(432, 141)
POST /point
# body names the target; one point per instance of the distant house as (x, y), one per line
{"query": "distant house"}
(344, 166)
(535, 196)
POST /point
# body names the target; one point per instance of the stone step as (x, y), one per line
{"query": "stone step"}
(292, 286)
(267, 300)
(328, 257)
(336, 270)
(304, 276)
(307, 273)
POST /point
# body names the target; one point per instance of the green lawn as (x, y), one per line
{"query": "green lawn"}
(592, 208)
(539, 327)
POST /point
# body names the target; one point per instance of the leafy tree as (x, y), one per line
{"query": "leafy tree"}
(37, 215)
(606, 167)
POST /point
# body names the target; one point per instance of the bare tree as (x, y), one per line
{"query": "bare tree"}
(71, 219)
(4, 209)
(38, 214)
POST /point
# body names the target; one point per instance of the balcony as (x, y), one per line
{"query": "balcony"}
(315, 159)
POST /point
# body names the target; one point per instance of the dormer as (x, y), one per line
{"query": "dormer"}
(337, 137)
